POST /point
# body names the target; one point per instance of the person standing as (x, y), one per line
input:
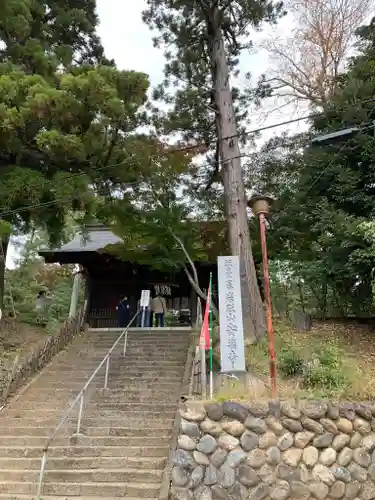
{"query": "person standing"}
(159, 308)
(123, 312)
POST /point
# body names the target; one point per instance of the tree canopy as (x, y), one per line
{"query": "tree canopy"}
(325, 195)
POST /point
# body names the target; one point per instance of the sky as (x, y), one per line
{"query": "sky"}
(128, 41)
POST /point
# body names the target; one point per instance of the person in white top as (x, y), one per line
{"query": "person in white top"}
(159, 308)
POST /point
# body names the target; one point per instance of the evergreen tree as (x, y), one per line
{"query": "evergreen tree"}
(203, 40)
(65, 115)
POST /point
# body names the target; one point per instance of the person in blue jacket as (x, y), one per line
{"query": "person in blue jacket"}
(123, 312)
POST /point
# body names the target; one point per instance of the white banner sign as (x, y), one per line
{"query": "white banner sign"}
(232, 346)
(145, 298)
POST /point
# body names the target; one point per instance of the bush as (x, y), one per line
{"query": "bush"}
(290, 362)
(325, 370)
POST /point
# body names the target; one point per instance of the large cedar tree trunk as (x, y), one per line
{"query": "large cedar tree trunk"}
(234, 192)
(3, 255)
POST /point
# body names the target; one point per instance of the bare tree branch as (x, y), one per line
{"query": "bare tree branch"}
(309, 61)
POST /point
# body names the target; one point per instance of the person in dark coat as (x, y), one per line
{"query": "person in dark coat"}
(123, 312)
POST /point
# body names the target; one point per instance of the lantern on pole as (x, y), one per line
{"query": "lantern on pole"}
(260, 206)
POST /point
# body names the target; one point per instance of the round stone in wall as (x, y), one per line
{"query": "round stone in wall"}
(201, 458)
(202, 493)
(292, 457)
(355, 440)
(368, 443)
(256, 425)
(302, 439)
(314, 409)
(226, 476)
(190, 428)
(341, 474)
(186, 442)
(180, 477)
(323, 441)
(228, 442)
(337, 490)
(292, 425)
(267, 440)
(318, 490)
(328, 457)
(210, 476)
(210, 427)
(344, 425)
(233, 427)
(234, 410)
(340, 441)
(329, 426)
(178, 493)
(290, 411)
(256, 458)
(345, 457)
(259, 409)
(352, 489)
(193, 414)
(207, 444)
(361, 457)
(310, 456)
(362, 426)
(275, 426)
(260, 492)
(247, 475)
(214, 411)
(286, 441)
(249, 440)
(281, 490)
(357, 472)
(235, 457)
(273, 455)
(218, 457)
(322, 473)
(312, 425)
(196, 477)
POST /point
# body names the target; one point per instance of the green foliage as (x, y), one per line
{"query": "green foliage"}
(187, 31)
(325, 370)
(290, 362)
(325, 194)
(23, 283)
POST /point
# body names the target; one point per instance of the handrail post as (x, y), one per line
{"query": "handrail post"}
(41, 475)
(106, 373)
(125, 341)
(80, 412)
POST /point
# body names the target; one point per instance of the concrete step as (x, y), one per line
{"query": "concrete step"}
(87, 441)
(114, 413)
(108, 422)
(20, 496)
(66, 451)
(144, 463)
(67, 431)
(60, 393)
(139, 490)
(83, 475)
(58, 406)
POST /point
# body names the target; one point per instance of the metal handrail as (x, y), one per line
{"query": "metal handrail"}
(80, 398)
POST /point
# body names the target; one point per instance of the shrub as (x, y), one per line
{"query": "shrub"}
(290, 362)
(325, 370)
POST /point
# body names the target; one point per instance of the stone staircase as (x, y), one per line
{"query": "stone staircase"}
(126, 429)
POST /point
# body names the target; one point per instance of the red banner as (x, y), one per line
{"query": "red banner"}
(205, 332)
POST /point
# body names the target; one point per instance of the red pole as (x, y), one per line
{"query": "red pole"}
(267, 293)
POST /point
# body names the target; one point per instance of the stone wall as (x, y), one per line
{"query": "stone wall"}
(232, 451)
(32, 362)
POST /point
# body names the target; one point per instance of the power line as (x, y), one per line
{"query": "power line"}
(173, 151)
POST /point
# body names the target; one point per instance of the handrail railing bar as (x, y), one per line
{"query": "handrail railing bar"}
(72, 405)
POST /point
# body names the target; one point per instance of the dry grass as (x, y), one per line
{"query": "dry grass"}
(353, 344)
